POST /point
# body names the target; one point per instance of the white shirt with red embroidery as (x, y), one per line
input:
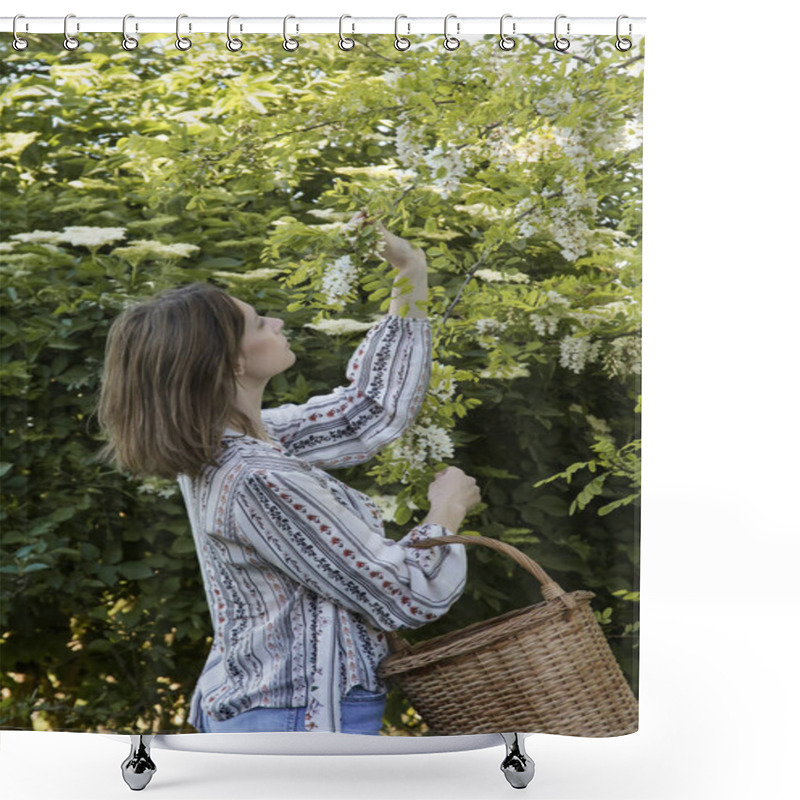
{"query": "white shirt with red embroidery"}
(300, 579)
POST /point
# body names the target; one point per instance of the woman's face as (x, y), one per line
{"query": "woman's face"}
(264, 351)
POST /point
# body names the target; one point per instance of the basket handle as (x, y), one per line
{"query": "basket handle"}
(550, 589)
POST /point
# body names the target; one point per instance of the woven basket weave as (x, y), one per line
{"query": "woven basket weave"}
(542, 669)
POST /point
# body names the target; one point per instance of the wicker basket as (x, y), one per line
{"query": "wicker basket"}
(542, 669)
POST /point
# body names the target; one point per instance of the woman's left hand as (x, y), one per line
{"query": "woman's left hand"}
(399, 252)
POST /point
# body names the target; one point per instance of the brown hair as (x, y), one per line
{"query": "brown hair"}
(168, 385)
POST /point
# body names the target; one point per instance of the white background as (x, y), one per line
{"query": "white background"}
(719, 691)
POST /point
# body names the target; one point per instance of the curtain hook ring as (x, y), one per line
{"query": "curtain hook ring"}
(181, 42)
(345, 42)
(506, 42)
(128, 42)
(70, 42)
(288, 43)
(560, 43)
(448, 40)
(620, 41)
(400, 42)
(19, 43)
(234, 45)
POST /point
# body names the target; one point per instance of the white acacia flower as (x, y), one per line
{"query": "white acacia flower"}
(87, 236)
(570, 231)
(334, 327)
(442, 385)
(38, 237)
(339, 279)
(577, 199)
(386, 504)
(142, 248)
(485, 327)
(577, 352)
(544, 324)
(7, 247)
(409, 145)
(572, 145)
(493, 276)
(436, 440)
(556, 104)
(624, 356)
(454, 167)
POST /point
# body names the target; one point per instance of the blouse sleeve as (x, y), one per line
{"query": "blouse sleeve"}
(389, 375)
(293, 522)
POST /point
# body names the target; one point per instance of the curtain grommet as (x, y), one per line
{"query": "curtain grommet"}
(559, 42)
(181, 42)
(400, 42)
(507, 42)
(70, 42)
(19, 43)
(128, 42)
(451, 42)
(345, 42)
(289, 44)
(233, 44)
(623, 44)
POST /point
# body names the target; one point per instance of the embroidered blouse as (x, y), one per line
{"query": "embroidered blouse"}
(300, 579)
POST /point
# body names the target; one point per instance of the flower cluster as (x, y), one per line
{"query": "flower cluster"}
(577, 352)
(442, 385)
(420, 444)
(150, 248)
(489, 327)
(623, 357)
(573, 147)
(339, 279)
(334, 327)
(545, 324)
(85, 236)
(532, 221)
(493, 276)
(386, 504)
(38, 237)
(410, 147)
(453, 165)
(556, 104)
(570, 231)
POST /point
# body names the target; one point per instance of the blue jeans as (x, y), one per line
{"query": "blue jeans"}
(362, 712)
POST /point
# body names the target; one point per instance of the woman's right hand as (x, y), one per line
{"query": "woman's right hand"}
(454, 491)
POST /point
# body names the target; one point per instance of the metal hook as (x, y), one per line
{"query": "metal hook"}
(181, 42)
(234, 45)
(288, 43)
(449, 40)
(128, 42)
(400, 42)
(346, 43)
(70, 42)
(620, 40)
(561, 44)
(506, 42)
(18, 43)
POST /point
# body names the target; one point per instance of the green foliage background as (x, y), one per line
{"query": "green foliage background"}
(517, 174)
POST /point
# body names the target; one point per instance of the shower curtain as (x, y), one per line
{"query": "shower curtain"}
(517, 172)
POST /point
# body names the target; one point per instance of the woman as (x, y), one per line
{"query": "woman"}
(300, 580)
